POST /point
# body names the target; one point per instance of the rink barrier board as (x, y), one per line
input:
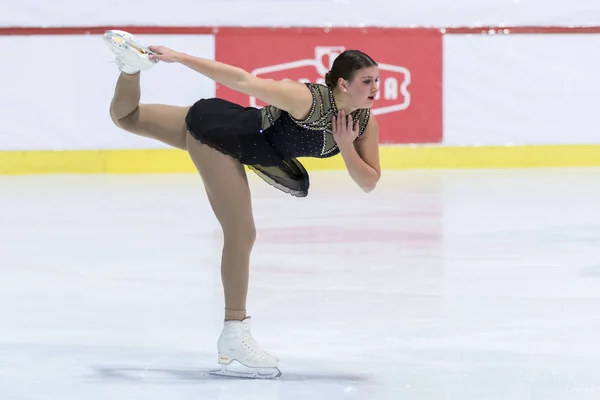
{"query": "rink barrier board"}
(391, 157)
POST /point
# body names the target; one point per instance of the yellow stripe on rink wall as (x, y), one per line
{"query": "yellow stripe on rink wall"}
(392, 157)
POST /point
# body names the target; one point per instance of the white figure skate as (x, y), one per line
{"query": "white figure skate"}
(240, 356)
(131, 56)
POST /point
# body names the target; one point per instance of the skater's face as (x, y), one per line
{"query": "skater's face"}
(363, 87)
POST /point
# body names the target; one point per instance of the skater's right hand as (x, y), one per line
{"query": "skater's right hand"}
(344, 130)
(163, 54)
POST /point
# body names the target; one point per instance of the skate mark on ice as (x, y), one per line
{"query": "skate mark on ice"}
(174, 375)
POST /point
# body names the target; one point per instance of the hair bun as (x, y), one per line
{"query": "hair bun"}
(328, 79)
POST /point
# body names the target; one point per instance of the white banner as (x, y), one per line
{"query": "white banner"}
(521, 89)
(56, 90)
(299, 12)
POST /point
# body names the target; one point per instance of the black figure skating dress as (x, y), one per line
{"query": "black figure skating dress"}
(269, 140)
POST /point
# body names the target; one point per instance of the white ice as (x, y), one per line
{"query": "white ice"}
(462, 285)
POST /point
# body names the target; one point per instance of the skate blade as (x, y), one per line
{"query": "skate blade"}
(124, 44)
(141, 49)
(237, 370)
(138, 47)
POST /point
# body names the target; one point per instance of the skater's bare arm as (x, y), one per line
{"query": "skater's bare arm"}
(293, 97)
(361, 155)
(290, 96)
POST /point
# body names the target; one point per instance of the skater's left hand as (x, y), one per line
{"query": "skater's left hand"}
(163, 54)
(344, 130)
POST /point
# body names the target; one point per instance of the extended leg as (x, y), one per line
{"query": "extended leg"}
(156, 121)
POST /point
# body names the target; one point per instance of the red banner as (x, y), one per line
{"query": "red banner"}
(409, 104)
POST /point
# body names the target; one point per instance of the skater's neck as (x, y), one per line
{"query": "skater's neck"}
(342, 102)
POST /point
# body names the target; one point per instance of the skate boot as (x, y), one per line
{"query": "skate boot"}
(131, 57)
(240, 356)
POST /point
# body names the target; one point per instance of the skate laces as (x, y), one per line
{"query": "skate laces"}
(255, 348)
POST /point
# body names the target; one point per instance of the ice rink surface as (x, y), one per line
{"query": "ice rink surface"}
(462, 285)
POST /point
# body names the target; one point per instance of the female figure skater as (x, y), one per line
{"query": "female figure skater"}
(302, 120)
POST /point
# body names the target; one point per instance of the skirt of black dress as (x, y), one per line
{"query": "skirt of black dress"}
(236, 131)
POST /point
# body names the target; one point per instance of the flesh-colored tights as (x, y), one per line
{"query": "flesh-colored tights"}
(224, 178)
